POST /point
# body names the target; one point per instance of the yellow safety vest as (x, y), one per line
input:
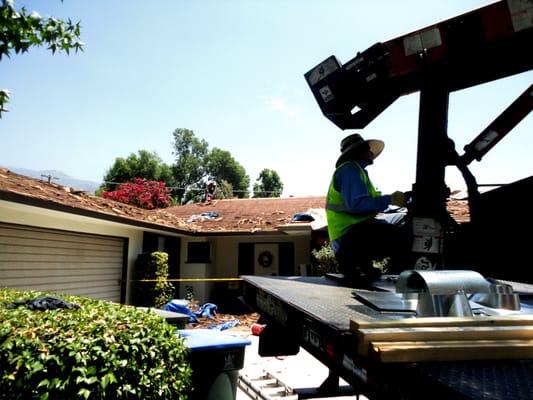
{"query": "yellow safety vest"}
(338, 216)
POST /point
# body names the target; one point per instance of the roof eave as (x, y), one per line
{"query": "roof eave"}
(55, 206)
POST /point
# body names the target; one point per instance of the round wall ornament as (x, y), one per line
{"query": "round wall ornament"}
(265, 259)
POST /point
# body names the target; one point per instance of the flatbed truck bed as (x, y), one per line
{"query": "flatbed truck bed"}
(315, 312)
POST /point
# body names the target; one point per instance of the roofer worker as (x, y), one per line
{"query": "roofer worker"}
(352, 205)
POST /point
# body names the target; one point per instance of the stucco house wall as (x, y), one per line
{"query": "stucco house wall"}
(227, 251)
(34, 212)
(224, 252)
(224, 249)
(21, 214)
(196, 272)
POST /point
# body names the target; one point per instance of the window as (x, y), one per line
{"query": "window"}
(198, 252)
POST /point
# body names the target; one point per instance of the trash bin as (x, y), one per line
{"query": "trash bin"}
(215, 359)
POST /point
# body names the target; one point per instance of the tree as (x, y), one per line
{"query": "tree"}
(20, 30)
(146, 165)
(268, 184)
(189, 168)
(141, 193)
(224, 190)
(220, 165)
(195, 165)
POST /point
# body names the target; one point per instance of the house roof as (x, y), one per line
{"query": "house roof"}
(247, 215)
(268, 214)
(34, 192)
(230, 216)
(235, 215)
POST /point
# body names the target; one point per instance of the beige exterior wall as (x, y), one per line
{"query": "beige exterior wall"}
(224, 261)
(201, 290)
(39, 217)
(227, 251)
(224, 249)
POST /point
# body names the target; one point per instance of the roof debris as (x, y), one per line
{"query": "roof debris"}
(239, 215)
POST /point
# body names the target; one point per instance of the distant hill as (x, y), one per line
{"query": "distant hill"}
(58, 177)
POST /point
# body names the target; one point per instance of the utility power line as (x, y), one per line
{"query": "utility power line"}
(200, 189)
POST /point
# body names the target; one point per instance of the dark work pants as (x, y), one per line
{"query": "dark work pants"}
(373, 240)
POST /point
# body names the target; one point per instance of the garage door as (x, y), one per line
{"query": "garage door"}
(65, 262)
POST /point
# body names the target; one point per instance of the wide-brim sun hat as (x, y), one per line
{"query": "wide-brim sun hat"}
(355, 140)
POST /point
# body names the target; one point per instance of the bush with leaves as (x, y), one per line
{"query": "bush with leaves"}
(164, 290)
(141, 193)
(100, 350)
(151, 287)
(324, 260)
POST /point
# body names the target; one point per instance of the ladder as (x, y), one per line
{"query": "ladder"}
(265, 386)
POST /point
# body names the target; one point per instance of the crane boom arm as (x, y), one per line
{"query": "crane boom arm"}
(482, 45)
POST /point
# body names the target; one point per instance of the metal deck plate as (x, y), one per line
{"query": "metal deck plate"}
(485, 380)
(319, 297)
(386, 301)
(334, 305)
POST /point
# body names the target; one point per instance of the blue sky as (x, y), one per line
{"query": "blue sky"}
(232, 71)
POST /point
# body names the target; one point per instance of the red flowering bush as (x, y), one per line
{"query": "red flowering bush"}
(141, 193)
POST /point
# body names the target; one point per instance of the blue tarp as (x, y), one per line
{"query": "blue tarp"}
(207, 310)
(181, 306)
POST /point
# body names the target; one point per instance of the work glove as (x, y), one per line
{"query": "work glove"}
(398, 199)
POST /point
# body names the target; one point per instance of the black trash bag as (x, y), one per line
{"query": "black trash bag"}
(43, 303)
(302, 217)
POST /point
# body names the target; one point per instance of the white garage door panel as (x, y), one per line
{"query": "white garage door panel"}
(64, 286)
(58, 260)
(64, 247)
(43, 241)
(53, 266)
(58, 276)
(43, 234)
(52, 269)
(32, 255)
(64, 262)
(56, 241)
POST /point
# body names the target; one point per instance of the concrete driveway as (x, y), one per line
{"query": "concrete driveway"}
(301, 371)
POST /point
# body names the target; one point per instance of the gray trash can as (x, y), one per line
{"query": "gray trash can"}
(215, 359)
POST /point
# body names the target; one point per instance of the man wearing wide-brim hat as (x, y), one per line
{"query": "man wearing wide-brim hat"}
(352, 205)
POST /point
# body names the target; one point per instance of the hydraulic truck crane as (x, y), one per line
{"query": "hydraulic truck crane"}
(493, 42)
(456, 324)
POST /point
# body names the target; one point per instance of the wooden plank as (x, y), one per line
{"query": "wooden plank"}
(506, 320)
(394, 352)
(366, 336)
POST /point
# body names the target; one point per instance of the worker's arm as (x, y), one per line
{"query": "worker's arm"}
(354, 192)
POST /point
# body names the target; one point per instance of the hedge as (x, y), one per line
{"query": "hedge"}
(100, 350)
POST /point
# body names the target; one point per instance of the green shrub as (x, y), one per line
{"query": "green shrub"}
(164, 290)
(324, 261)
(100, 350)
(151, 287)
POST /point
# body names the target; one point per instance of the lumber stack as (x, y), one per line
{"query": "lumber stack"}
(445, 338)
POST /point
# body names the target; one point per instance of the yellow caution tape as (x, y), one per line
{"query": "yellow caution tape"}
(191, 280)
